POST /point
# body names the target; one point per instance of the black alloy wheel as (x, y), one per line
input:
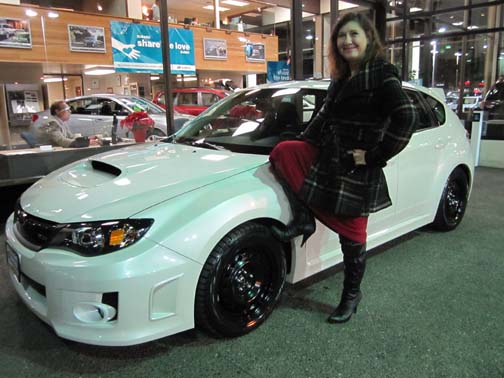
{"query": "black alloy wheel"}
(453, 202)
(241, 281)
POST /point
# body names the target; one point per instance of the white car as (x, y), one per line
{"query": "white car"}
(148, 241)
(93, 114)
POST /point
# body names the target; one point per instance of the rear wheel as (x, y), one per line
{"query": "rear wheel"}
(241, 281)
(453, 202)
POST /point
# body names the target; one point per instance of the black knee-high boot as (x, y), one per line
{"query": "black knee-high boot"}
(354, 260)
(303, 222)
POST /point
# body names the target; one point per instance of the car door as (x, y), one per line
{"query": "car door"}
(418, 162)
(82, 120)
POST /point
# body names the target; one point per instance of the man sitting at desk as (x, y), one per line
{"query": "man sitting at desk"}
(55, 131)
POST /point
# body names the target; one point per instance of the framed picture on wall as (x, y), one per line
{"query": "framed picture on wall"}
(15, 32)
(86, 38)
(214, 48)
(254, 52)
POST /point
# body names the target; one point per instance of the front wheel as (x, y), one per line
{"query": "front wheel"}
(453, 202)
(241, 281)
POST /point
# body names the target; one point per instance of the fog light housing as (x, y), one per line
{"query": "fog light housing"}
(89, 312)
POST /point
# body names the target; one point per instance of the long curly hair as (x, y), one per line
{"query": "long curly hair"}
(338, 66)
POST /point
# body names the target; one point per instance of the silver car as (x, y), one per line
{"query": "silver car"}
(93, 114)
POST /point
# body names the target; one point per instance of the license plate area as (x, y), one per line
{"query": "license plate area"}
(13, 261)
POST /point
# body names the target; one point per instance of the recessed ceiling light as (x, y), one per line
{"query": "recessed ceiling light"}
(99, 71)
(53, 15)
(236, 3)
(221, 9)
(415, 9)
(31, 13)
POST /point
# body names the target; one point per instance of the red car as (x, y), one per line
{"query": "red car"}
(191, 100)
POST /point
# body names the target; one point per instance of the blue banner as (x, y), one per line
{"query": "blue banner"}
(278, 71)
(137, 48)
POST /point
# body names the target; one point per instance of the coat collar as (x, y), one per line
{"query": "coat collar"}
(369, 78)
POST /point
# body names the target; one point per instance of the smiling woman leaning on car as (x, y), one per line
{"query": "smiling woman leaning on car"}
(335, 172)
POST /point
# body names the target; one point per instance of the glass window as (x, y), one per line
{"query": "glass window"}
(84, 106)
(209, 98)
(187, 98)
(138, 104)
(254, 120)
(425, 119)
(395, 29)
(436, 107)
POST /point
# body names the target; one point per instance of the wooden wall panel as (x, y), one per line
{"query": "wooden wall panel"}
(56, 47)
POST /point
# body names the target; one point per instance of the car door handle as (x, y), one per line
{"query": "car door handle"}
(440, 144)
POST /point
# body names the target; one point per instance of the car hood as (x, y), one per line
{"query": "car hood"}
(121, 183)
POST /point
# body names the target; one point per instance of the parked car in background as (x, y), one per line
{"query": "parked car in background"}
(93, 114)
(493, 102)
(147, 241)
(192, 100)
(469, 102)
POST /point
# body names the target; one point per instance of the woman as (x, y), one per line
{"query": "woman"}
(335, 171)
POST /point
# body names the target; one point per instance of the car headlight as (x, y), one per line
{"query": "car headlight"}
(95, 238)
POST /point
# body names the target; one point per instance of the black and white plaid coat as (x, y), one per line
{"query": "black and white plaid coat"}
(369, 111)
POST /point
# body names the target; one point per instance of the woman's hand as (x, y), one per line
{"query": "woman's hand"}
(359, 156)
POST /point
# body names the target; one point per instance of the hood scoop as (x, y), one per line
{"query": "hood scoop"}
(106, 168)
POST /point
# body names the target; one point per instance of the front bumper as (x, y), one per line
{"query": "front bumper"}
(154, 289)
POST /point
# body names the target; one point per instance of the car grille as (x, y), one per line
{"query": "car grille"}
(34, 233)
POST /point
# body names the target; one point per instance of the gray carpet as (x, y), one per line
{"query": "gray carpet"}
(433, 307)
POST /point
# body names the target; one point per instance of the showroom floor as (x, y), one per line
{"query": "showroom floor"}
(433, 307)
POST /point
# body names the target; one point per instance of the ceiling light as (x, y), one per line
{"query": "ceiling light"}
(309, 37)
(415, 9)
(221, 9)
(460, 23)
(53, 14)
(442, 30)
(99, 71)
(99, 7)
(31, 13)
(236, 3)
(344, 5)
(53, 79)
(471, 27)
(153, 78)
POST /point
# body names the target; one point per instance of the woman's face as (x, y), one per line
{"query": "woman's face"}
(352, 42)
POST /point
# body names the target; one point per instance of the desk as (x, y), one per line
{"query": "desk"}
(29, 165)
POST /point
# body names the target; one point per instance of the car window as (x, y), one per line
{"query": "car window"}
(209, 98)
(436, 107)
(138, 104)
(187, 98)
(86, 105)
(255, 120)
(425, 120)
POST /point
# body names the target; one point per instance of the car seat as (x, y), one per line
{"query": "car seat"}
(29, 139)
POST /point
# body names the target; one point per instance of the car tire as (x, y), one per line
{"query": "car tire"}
(241, 281)
(453, 202)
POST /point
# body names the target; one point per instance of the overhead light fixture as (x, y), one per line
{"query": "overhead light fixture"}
(31, 13)
(309, 37)
(211, 7)
(154, 78)
(53, 79)
(442, 30)
(99, 7)
(415, 9)
(344, 5)
(53, 14)
(99, 71)
(472, 27)
(460, 23)
(236, 3)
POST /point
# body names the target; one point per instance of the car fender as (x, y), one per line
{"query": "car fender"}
(193, 223)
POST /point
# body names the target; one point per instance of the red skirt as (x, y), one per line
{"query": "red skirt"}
(292, 160)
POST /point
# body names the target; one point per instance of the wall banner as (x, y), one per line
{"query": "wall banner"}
(137, 48)
(278, 71)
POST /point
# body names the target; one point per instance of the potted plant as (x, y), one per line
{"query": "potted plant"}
(138, 123)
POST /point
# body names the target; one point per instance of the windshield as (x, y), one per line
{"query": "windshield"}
(139, 104)
(253, 120)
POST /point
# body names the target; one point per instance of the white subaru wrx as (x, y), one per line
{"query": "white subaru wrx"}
(144, 242)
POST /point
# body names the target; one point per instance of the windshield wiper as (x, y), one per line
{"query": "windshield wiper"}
(205, 144)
